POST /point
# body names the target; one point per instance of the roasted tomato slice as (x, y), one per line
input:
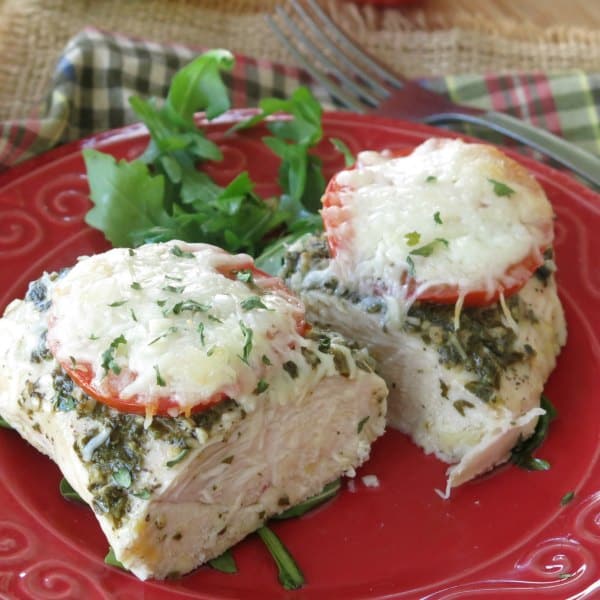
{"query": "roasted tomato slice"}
(339, 228)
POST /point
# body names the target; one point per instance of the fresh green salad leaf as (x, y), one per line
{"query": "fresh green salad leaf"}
(128, 199)
(164, 195)
(290, 575)
(199, 84)
(224, 563)
(522, 453)
(111, 559)
(67, 491)
(349, 158)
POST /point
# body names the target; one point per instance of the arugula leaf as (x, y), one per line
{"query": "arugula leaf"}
(522, 453)
(300, 173)
(199, 84)
(225, 563)
(127, 198)
(67, 491)
(163, 195)
(111, 559)
(349, 158)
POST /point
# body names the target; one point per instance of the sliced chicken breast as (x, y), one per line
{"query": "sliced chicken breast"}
(429, 261)
(171, 492)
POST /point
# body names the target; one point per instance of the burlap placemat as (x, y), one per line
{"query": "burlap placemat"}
(33, 33)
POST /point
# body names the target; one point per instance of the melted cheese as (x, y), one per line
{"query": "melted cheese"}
(479, 212)
(187, 331)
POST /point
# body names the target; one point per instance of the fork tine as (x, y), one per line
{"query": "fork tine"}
(338, 53)
(353, 49)
(330, 66)
(335, 90)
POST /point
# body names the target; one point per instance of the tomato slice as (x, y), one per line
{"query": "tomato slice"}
(82, 373)
(339, 231)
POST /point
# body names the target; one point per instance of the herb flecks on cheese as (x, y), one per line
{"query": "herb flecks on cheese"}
(487, 226)
(117, 314)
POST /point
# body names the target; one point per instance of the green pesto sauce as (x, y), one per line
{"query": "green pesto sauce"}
(483, 345)
(116, 464)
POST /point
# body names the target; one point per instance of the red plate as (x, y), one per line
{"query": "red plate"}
(503, 536)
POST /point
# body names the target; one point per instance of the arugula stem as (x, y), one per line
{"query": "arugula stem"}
(290, 575)
(328, 492)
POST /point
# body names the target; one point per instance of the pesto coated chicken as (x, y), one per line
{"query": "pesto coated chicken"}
(183, 397)
(441, 263)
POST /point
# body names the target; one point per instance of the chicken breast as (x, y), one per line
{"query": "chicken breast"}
(172, 490)
(412, 241)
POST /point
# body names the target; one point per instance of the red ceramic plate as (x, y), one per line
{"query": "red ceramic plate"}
(506, 535)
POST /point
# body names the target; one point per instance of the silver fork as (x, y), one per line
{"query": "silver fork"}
(360, 82)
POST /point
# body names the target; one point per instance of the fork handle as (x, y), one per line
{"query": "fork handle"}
(584, 163)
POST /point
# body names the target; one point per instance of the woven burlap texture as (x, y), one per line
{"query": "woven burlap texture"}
(33, 33)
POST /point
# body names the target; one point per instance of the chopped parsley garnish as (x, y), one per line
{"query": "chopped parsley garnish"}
(133, 315)
(169, 331)
(117, 303)
(261, 386)
(460, 406)
(431, 178)
(568, 497)
(412, 238)
(215, 319)
(253, 302)
(122, 477)
(245, 275)
(291, 368)
(159, 380)
(143, 494)
(161, 303)
(173, 278)
(177, 251)
(174, 289)
(361, 424)
(411, 266)
(190, 305)
(178, 458)
(201, 332)
(131, 252)
(108, 356)
(136, 286)
(427, 249)
(248, 335)
(437, 218)
(501, 189)
(266, 360)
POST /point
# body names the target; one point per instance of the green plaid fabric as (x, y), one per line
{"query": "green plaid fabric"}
(99, 71)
